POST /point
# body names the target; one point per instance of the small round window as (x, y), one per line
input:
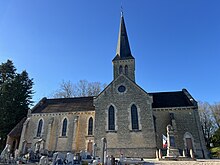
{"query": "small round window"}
(121, 88)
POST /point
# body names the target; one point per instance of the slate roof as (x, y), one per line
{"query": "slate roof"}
(160, 100)
(123, 48)
(172, 99)
(64, 105)
(16, 131)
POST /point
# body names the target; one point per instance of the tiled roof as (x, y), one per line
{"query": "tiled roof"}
(64, 105)
(16, 131)
(171, 99)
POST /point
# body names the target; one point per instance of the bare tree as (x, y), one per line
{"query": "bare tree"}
(207, 121)
(216, 113)
(80, 89)
(65, 91)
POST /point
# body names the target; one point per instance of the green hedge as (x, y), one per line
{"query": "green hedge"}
(215, 152)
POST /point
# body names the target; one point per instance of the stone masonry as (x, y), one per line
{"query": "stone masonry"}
(138, 143)
(132, 120)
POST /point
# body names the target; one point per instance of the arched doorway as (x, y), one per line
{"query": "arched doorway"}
(189, 143)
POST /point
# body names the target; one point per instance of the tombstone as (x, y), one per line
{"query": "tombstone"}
(94, 162)
(83, 154)
(31, 155)
(108, 161)
(122, 158)
(5, 154)
(112, 158)
(55, 155)
(58, 158)
(172, 151)
(103, 150)
(17, 154)
(43, 160)
(69, 158)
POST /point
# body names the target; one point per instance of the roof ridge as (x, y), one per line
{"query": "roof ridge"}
(165, 92)
(72, 98)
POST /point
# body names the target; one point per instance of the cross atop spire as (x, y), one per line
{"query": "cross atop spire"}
(123, 49)
(122, 14)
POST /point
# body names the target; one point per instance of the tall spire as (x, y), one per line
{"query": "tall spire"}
(123, 49)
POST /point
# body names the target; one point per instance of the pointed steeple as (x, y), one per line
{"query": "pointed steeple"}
(124, 62)
(123, 49)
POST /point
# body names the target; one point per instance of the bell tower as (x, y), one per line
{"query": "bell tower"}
(124, 62)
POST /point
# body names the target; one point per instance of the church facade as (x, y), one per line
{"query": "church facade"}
(132, 120)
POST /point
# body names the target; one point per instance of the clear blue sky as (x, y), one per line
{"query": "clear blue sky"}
(176, 43)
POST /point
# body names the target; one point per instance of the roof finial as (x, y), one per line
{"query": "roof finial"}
(122, 14)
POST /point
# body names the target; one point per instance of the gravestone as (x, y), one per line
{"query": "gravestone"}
(43, 160)
(17, 154)
(69, 158)
(58, 158)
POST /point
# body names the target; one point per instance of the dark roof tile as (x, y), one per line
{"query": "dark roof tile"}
(64, 105)
(170, 99)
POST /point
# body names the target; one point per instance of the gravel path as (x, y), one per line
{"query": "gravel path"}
(156, 162)
(198, 162)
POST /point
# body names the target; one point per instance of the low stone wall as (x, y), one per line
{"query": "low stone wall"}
(133, 152)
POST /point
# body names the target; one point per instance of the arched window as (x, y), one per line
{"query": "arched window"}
(39, 129)
(126, 70)
(120, 69)
(64, 128)
(134, 117)
(90, 126)
(111, 118)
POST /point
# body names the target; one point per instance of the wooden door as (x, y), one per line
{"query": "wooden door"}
(89, 147)
(189, 143)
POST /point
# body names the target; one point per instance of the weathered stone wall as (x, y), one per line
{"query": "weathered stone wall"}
(77, 131)
(186, 121)
(140, 143)
(131, 68)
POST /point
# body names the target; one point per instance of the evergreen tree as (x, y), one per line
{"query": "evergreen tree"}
(15, 98)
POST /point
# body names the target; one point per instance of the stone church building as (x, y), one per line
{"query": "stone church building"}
(132, 120)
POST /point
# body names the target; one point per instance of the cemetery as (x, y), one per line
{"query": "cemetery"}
(43, 157)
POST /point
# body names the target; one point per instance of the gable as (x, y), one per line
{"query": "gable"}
(132, 89)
